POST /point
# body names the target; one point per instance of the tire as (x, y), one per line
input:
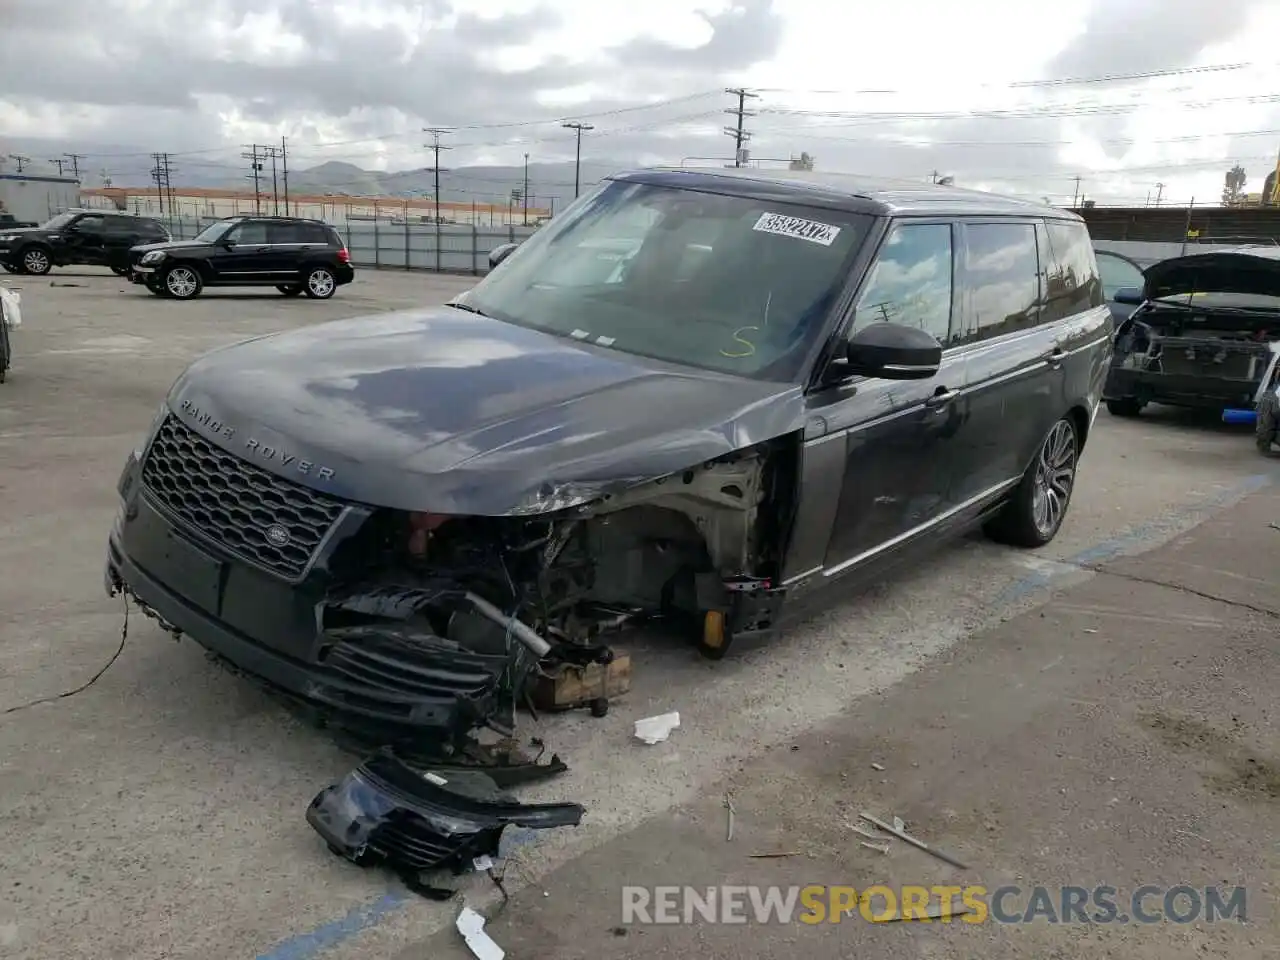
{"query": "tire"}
(1039, 504)
(1126, 407)
(36, 261)
(182, 282)
(290, 289)
(7, 269)
(154, 286)
(4, 349)
(320, 283)
(1265, 430)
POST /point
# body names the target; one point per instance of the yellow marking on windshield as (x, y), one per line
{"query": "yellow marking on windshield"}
(751, 347)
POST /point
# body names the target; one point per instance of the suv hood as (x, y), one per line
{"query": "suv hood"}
(449, 412)
(167, 245)
(1227, 271)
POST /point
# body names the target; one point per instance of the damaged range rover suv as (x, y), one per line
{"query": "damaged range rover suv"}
(688, 397)
(1205, 333)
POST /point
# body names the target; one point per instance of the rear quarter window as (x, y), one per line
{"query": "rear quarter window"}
(1072, 283)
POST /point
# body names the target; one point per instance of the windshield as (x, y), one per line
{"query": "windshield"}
(733, 284)
(214, 231)
(1117, 273)
(58, 222)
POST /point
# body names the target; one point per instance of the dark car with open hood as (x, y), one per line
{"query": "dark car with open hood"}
(693, 398)
(1204, 333)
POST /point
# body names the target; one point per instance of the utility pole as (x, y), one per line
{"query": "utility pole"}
(274, 152)
(75, 159)
(255, 164)
(164, 184)
(21, 161)
(1159, 193)
(524, 195)
(59, 162)
(435, 146)
(1075, 195)
(284, 173)
(739, 133)
(933, 177)
(577, 160)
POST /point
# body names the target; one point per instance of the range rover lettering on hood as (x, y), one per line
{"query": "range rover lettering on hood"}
(254, 448)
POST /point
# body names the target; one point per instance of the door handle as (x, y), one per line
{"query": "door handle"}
(1055, 357)
(941, 398)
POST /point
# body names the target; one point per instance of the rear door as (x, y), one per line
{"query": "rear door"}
(122, 233)
(1013, 358)
(1077, 309)
(293, 243)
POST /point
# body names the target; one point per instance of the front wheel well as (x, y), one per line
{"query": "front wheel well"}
(1079, 415)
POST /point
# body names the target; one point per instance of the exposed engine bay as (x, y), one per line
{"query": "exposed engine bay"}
(460, 614)
(1182, 342)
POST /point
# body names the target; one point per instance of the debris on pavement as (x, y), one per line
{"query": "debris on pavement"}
(774, 856)
(416, 821)
(592, 685)
(919, 844)
(879, 847)
(656, 729)
(471, 925)
(934, 911)
(728, 806)
(877, 766)
(899, 824)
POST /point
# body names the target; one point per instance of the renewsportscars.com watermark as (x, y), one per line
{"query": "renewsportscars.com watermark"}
(815, 904)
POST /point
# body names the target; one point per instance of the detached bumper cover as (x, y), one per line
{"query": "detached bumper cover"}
(1179, 389)
(386, 811)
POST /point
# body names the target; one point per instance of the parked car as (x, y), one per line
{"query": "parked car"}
(1199, 334)
(396, 515)
(9, 222)
(78, 238)
(294, 255)
(1118, 272)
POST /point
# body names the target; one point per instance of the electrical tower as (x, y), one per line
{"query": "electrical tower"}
(75, 159)
(284, 173)
(59, 161)
(161, 173)
(435, 146)
(21, 161)
(255, 157)
(739, 132)
(577, 161)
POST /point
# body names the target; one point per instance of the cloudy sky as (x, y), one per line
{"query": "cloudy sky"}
(1017, 95)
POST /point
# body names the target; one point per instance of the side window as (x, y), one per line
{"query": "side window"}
(251, 231)
(911, 280)
(1072, 274)
(93, 223)
(1001, 278)
(285, 233)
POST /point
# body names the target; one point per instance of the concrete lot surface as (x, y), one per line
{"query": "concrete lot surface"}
(160, 812)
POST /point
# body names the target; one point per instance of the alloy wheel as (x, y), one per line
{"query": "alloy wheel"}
(35, 261)
(320, 283)
(181, 282)
(1055, 476)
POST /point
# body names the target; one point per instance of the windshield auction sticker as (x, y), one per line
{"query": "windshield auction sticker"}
(784, 226)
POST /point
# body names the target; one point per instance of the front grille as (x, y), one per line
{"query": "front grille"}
(233, 502)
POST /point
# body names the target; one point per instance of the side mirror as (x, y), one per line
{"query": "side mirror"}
(226, 244)
(500, 253)
(1131, 296)
(891, 351)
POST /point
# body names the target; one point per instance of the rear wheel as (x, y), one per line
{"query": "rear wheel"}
(1127, 407)
(182, 282)
(1267, 423)
(290, 289)
(36, 261)
(1034, 514)
(320, 283)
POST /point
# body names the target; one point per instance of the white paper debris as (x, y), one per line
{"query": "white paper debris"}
(877, 766)
(656, 729)
(435, 778)
(899, 825)
(471, 925)
(483, 862)
(797, 227)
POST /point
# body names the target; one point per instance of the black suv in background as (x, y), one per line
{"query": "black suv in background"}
(293, 255)
(97, 238)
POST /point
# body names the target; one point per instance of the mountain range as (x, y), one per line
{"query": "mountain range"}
(127, 166)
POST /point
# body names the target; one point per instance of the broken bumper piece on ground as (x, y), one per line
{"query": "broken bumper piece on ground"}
(414, 821)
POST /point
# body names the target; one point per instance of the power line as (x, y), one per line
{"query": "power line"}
(739, 132)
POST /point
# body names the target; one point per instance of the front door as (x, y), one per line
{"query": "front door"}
(83, 241)
(896, 434)
(250, 258)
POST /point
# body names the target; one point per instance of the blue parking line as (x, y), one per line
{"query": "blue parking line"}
(309, 945)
